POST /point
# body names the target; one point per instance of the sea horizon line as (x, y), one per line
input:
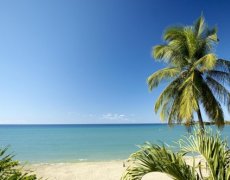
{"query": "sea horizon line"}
(60, 124)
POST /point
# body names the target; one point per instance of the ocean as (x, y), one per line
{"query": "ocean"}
(76, 143)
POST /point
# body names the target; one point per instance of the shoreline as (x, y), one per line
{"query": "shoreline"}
(103, 170)
(29, 163)
(107, 170)
(70, 162)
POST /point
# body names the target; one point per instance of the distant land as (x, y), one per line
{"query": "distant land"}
(205, 122)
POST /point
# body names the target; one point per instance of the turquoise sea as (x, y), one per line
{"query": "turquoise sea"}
(74, 143)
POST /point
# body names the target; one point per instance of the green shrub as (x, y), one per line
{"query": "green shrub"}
(11, 169)
(156, 158)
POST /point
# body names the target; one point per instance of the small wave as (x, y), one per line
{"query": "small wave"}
(82, 159)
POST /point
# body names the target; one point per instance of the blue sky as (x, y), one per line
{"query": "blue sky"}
(86, 61)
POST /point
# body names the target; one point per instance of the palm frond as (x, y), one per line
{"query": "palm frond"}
(212, 148)
(170, 54)
(211, 35)
(154, 158)
(223, 65)
(199, 26)
(220, 91)
(174, 33)
(166, 73)
(188, 102)
(167, 93)
(205, 63)
(202, 48)
(10, 169)
(162, 52)
(220, 76)
(174, 111)
(165, 109)
(191, 42)
(211, 106)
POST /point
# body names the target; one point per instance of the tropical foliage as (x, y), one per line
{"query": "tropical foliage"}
(10, 170)
(155, 158)
(198, 79)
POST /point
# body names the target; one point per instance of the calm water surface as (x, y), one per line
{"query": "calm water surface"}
(73, 143)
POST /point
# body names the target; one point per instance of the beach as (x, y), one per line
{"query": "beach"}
(110, 170)
(85, 171)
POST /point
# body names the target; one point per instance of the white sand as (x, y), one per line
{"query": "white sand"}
(89, 171)
(79, 171)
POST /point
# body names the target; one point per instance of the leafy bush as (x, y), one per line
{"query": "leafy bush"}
(11, 169)
(155, 158)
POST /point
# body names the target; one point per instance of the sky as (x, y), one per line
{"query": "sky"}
(87, 61)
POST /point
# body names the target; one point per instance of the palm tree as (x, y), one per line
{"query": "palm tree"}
(198, 79)
(155, 158)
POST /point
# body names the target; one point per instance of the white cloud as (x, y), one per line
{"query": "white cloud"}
(76, 117)
(115, 117)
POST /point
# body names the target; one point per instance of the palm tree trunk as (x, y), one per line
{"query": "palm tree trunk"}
(201, 123)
